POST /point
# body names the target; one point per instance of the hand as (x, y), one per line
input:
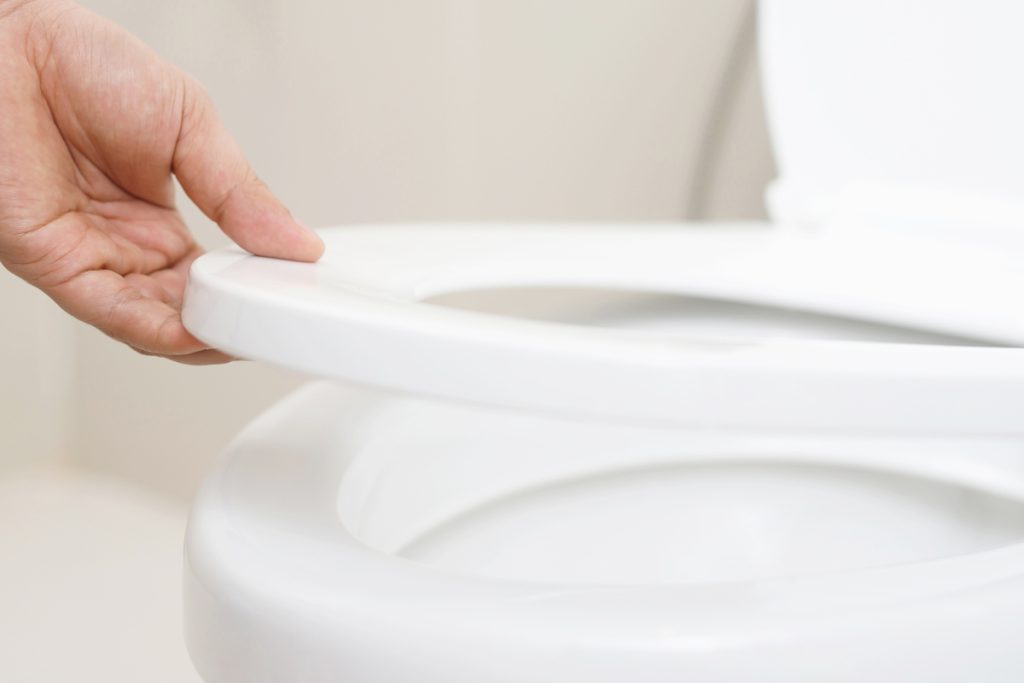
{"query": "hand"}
(93, 124)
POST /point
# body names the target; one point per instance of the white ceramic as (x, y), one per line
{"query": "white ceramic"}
(728, 454)
(894, 97)
(352, 535)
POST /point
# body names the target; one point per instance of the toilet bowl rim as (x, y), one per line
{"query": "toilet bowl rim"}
(247, 550)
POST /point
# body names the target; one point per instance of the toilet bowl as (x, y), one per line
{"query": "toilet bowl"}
(790, 451)
(327, 547)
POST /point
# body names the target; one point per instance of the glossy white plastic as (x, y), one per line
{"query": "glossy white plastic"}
(355, 316)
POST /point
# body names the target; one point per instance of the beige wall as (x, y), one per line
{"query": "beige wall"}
(36, 376)
(359, 110)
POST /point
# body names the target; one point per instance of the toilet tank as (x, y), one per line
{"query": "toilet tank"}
(905, 95)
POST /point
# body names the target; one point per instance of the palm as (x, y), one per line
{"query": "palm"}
(98, 124)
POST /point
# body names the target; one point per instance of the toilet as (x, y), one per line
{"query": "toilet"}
(786, 451)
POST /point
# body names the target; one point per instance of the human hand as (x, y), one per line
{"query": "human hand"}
(93, 125)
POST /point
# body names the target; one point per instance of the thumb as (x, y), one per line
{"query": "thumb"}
(216, 176)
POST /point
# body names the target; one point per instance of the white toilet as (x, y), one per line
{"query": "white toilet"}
(743, 453)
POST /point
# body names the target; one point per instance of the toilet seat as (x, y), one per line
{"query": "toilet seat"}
(358, 315)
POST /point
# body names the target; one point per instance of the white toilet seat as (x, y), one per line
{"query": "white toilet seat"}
(356, 316)
(276, 585)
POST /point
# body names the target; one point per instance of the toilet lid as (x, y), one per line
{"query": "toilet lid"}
(359, 315)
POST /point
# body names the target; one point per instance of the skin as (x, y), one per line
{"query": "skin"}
(94, 126)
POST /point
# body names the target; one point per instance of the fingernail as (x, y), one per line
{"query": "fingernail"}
(313, 238)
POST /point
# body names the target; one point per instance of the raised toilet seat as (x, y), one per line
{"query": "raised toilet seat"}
(358, 316)
(683, 499)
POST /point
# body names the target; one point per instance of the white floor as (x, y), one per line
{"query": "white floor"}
(90, 574)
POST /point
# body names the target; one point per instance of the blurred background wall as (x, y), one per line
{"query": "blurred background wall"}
(382, 110)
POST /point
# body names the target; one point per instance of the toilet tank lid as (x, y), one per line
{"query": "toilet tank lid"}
(904, 94)
(358, 315)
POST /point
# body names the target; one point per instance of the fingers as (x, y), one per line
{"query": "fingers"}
(207, 357)
(122, 309)
(216, 176)
(139, 310)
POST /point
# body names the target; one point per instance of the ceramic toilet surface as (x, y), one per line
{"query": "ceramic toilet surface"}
(351, 534)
